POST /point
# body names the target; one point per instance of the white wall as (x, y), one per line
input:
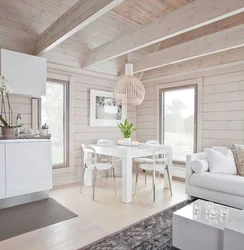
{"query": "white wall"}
(223, 104)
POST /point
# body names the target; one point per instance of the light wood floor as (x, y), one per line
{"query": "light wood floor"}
(107, 214)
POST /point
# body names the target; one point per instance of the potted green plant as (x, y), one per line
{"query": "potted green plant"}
(127, 129)
(6, 115)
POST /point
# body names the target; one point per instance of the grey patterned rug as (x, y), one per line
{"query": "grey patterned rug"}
(153, 233)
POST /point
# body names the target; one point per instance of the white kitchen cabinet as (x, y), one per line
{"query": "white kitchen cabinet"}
(28, 167)
(26, 74)
(2, 172)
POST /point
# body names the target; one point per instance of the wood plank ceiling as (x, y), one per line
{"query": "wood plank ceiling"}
(141, 12)
(21, 21)
(137, 13)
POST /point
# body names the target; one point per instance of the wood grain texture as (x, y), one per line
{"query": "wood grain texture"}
(145, 11)
(77, 17)
(22, 21)
(189, 17)
(223, 59)
(211, 44)
(204, 31)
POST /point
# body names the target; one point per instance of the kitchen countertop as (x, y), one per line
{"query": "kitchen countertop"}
(23, 140)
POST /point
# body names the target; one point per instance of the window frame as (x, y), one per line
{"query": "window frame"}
(167, 84)
(66, 86)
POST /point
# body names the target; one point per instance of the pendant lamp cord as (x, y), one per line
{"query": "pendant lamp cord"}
(128, 58)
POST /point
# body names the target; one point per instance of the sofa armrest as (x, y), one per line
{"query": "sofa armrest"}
(189, 160)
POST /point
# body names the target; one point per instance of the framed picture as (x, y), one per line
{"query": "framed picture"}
(103, 109)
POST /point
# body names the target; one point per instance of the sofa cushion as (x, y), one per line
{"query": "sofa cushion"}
(231, 184)
(199, 166)
(223, 150)
(238, 151)
(221, 162)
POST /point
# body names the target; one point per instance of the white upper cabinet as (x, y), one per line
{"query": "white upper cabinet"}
(26, 74)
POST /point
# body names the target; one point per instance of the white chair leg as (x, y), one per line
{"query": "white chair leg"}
(94, 182)
(145, 178)
(154, 191)
(113, 171)
(136, 179)
(159, 177)
(107, 174)
(82, 178)
(170, 184)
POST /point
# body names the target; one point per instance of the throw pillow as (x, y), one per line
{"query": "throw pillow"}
(224, 150)
(221, 163)
(238, 151)
(200, 166)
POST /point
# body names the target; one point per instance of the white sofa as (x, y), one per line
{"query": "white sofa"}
(221, 188)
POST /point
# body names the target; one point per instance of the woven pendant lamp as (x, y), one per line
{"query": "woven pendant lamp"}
(129, 90)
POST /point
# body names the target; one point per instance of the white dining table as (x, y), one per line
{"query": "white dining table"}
(127, 153)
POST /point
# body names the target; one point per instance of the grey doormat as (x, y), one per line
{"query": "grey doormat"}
(153, 233)
(31, 216)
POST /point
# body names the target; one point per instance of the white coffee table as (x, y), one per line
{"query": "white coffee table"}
(234, 234)
(191, 232)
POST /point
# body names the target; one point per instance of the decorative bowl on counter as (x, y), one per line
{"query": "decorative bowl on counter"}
(35, 137)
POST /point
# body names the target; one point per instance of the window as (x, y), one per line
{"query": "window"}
(53, 112)
(178, 108)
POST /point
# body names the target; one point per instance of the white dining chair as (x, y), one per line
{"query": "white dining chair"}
(105, 158)
(158, 163)
(143, 159)
(90, 159)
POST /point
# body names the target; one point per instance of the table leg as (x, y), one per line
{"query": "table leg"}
(126, 179)
(166, 180)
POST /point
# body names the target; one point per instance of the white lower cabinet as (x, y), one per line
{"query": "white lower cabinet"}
(28, 168)
(2, 172)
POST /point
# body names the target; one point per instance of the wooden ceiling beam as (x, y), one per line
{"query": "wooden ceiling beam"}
(221, 41)
(197, 33)
(224, 59)
(77, 17)
(192, 16)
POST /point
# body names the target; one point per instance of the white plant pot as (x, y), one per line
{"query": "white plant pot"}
(127, 141)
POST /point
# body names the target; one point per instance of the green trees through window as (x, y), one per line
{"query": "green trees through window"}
(53, 112)
(178, 118)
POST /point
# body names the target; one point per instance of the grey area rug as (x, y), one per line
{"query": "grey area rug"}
(153, 233)
(28, 217)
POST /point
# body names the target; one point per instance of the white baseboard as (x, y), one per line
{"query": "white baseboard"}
(179, 172)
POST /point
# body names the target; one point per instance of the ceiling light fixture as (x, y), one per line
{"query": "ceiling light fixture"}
(129, 90)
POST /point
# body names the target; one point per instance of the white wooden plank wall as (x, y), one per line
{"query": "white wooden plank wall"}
(82, 132)
(223, 109)
(22, 105)
(223, 104)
